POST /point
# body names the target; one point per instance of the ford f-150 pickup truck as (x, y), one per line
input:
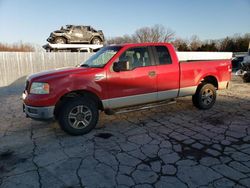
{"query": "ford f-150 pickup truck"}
(122, 76)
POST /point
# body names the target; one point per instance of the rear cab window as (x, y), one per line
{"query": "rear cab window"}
(163, 56)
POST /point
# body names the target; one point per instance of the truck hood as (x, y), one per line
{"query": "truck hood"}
(60, 72)
(59, 31)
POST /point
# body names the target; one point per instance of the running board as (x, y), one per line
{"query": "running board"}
(138, 108)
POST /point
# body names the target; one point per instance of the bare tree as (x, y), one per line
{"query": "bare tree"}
(120, 40)
(195, 43)
(181, 44)
(17, 47)
(236, 43)
(142, 35)
(156, 33)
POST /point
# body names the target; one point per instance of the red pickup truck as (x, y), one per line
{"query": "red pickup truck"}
(119, 76)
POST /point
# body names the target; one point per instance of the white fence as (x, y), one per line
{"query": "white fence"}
(14, 65)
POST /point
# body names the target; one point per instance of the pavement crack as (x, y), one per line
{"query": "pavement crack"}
(60, 143)
(34, 155)
(78, 175)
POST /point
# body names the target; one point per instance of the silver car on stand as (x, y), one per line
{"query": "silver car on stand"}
(76, 34)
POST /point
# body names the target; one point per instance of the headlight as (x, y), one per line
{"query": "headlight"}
(39, 88)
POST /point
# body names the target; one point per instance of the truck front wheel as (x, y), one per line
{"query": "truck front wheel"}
(78, 116)
(205, 96)
(96, 40)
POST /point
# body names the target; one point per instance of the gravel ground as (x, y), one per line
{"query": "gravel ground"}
(172, 146)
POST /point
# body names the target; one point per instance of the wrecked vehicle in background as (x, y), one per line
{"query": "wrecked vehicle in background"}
(244, 71)
(76, 34)
(236, 62)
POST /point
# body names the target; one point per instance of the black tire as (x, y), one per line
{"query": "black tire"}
(78, 116)
(205, 96)
(246, 78)
(96, 40)
(60, 40)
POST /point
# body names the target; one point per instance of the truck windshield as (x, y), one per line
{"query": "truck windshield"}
(101, 57)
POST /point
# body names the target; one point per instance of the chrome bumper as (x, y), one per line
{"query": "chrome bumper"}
(39, 113)
(241, 73)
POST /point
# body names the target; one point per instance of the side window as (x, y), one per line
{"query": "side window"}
(137, 57)
(163, 55)
(76, 30)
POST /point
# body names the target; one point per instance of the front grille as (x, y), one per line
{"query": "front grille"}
(32, 111)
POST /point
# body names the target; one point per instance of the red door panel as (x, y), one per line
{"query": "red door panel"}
(136, 85)
(167, 73)
(134, 82)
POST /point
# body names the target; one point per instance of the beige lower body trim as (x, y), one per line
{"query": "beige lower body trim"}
(186, 91)
(129, 100)
(120, 102)
(169, 94)
(223, 85)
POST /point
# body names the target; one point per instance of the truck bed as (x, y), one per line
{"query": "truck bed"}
(192, 72)
(198, 56)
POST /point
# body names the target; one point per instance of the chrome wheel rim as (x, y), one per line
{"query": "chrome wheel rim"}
(60, 41)
(80, 117)
(96, 41)
(207, 96)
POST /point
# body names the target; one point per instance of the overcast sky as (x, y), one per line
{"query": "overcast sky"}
(32, 21)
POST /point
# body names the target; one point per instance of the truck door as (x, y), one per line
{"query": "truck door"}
(77, 34)
(167, 73)
(136, 85)
(87, 34)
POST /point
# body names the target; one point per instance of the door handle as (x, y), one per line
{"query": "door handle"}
(151, 73)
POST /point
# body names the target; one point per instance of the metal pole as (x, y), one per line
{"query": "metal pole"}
(249, 49)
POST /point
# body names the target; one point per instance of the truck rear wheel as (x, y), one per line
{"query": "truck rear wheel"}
(60, 40)
(78, 116)
(205, 96)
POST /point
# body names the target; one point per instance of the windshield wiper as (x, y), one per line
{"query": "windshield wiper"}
(84, 65)
(92, 66)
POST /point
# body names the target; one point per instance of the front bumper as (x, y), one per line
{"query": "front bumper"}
(39, 113)
(50, 39)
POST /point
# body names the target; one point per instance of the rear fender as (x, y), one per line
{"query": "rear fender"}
(210, 78)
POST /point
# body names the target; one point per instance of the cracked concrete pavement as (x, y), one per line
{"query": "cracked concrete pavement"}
(171, 146)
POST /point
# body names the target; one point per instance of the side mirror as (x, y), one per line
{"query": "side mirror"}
(121, 66)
